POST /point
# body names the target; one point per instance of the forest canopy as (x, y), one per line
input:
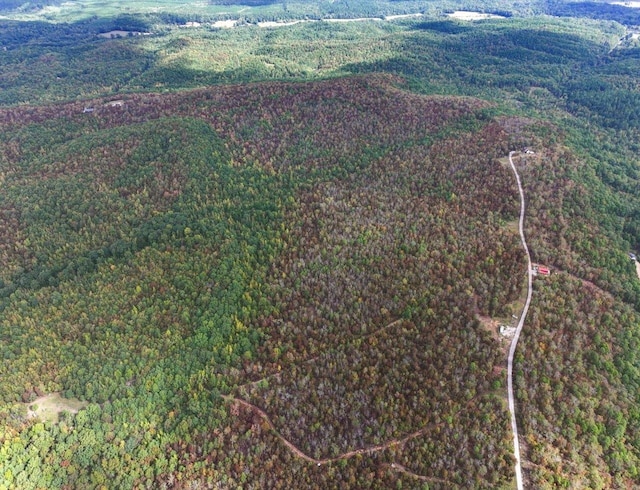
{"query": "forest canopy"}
(242, 252)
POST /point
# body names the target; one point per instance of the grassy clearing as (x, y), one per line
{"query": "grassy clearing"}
(469, 15)
(48, 408)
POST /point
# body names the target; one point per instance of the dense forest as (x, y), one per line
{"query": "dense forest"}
(259, 257)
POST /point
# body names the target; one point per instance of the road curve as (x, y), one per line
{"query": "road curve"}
(514, 342)
(355, 452)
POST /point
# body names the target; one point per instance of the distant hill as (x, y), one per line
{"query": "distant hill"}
(25, 5)
(597, 10)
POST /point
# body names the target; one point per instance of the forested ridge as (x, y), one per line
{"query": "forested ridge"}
(289, 272)
(165, 288)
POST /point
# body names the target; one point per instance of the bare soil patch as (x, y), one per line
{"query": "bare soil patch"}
(467, 15)
(491, 325)
(225, 24)
(48, 408)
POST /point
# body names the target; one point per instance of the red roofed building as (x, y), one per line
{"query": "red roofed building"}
(542, 270)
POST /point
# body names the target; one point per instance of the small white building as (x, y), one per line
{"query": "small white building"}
(507, 331)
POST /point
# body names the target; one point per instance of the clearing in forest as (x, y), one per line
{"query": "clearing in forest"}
(467, 15)
(48, 407)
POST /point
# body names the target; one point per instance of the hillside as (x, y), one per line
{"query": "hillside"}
(164, 255)
(290, 272)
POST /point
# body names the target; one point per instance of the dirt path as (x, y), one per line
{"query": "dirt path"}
(401, 441)
(349, 454)
(514, 342)
(638, 268)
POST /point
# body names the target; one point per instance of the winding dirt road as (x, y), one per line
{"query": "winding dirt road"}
(514, 342)
(400, 441)
(366, 450)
